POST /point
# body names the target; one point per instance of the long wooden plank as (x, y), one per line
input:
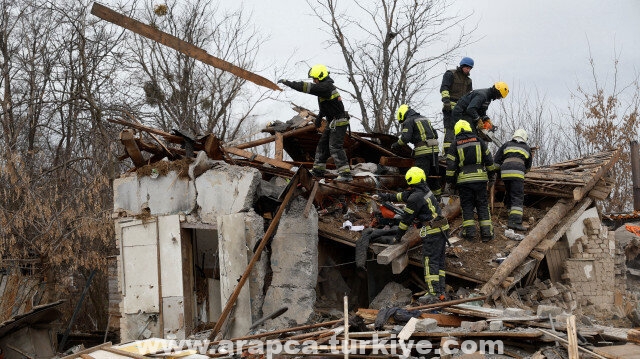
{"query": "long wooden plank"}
(175, 43)
(572, 337)
(259, 158)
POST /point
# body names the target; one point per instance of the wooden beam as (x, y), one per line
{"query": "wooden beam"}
(175, 43)
(399, 263)
(312, 196)
(535, 236)
(128, 140)
(263, 243)
(253, 157)
(372, 145)
(573, 337)
(212, 147)
(286, 134)
(561, 228)
(167, 136)
(279, 146)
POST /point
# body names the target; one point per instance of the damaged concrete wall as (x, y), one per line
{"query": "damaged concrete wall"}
(155, 265)
(294, 263)
(237, 234)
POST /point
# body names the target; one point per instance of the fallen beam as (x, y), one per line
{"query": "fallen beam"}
(175, 43)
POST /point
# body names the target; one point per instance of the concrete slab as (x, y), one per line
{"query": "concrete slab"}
(226, 190)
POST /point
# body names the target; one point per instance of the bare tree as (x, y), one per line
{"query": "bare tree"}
(187, 94)
(605, 117)
(388, 50)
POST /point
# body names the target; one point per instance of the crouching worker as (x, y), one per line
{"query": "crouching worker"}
(423, 210)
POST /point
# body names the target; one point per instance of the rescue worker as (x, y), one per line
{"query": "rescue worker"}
(417, 129)
(514, 159)
(455, 84)
(473, 106)
(423, 210)
(331, 108)
(469, 166)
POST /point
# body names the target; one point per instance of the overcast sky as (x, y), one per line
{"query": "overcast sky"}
(541, 45)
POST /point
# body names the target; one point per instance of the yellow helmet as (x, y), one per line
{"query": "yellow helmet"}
(502, 87)
(462, 126)
(319, 72)
(402, 110)
(415, 175)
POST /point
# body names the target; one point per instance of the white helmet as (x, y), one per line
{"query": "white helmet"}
(520, 135)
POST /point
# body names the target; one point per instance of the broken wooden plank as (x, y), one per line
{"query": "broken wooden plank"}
(262, 141)
(167, 136)
(212, 147)
(256, 255)
(127, 138)
(254, 157)
(312, 196)
(627, 351)
(633, 335)
(400, 263)
(535, 236)
(572, 337)
(175, 43)
(279, 146)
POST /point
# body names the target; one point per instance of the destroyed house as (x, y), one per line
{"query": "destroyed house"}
(216, 239)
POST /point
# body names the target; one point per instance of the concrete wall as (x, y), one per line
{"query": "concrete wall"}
(294, 262)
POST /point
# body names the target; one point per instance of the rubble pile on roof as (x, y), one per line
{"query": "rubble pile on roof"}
(505, 271)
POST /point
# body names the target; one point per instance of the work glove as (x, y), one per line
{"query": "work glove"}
(395, 146)
(376, 197)
(446, 104)
(318, 122)
(282, 81)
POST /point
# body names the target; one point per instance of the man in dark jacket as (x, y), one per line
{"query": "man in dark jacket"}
(331, 141)
(455, 84)
(473, 106)
(469, 166)
(417, 129)
(514, 158)
(423, 210)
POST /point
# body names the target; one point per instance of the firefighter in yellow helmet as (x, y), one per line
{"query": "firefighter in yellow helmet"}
(331, 143)
(422, 210)
(469, 166)
(473, 106)
(514, 158)
(417, 129)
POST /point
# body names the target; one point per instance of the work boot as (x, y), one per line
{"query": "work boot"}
(344, 177)
(515, 222)
(429, 299)
(469, 233)
(486, 233)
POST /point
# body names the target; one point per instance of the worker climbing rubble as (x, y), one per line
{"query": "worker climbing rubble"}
(514, 159)
(422, 209)
(473, 106)
(331, 143)
(417, 129)
(469, 166)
